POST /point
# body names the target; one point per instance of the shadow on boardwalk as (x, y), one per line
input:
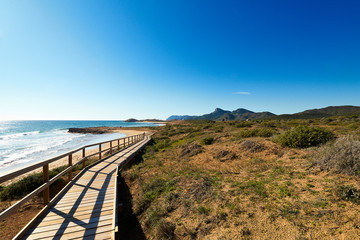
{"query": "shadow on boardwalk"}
(129, 226)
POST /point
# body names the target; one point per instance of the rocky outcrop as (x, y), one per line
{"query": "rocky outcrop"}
(93, 130)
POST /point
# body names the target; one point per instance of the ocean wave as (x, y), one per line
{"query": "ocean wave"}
(18, 135)
(17, 150)
(43, 147)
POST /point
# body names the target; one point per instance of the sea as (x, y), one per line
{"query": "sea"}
(24, 143)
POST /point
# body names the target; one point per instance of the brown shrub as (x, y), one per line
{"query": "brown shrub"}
(342, 156)
(224, 155)
(165, 230)
(252, 146)
(200, 189)
(191, 150)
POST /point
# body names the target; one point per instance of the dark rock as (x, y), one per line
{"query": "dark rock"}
(131, 120)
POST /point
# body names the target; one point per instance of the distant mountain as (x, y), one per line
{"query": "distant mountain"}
(179, 117)
(244, 114)
(322, 112)
(220, 114)
(143, 120)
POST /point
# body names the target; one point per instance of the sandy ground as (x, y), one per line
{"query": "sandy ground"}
(76, 156)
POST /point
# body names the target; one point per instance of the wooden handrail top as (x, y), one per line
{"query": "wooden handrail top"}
(22, 171)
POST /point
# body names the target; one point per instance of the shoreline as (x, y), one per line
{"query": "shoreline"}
(77, 156)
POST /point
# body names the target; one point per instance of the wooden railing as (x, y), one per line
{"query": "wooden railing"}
(120, 144)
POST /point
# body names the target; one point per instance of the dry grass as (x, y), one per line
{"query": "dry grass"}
(237, 188)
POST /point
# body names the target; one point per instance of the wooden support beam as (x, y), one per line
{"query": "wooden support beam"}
(46, 192)
(83, 156)
(100, 151)
(110, 147)
(70, 172)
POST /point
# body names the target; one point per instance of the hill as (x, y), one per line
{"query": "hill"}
(244, 114)
(220, 114)
(143, 120)
(322, 112)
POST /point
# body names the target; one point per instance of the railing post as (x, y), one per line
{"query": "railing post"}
(100, 151)
(83, 156)
(110, 147)
(118, 144)
(70, 172)
(46, 192)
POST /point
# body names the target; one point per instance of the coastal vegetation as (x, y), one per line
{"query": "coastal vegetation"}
(18, 189)
(205, 179)
(288, 179)
(304, 136)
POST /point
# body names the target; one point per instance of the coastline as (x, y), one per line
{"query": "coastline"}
(77, 156)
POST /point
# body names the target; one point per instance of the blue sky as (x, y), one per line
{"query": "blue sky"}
(150, 59)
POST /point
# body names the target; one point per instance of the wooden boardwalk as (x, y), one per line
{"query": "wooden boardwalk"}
(86, 209)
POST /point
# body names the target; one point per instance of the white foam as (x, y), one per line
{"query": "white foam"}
(18, 148)
(35, 146)
(18, 135)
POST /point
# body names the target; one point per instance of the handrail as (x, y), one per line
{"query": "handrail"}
(131, 140)
(115, 232)
(22, 171)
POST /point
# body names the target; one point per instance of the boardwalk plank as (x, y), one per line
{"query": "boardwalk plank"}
(50, 220)
(75, 231)
(70, 223)
(85, 210)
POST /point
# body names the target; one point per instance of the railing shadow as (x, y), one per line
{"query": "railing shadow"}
(90, 228)
(129, 225)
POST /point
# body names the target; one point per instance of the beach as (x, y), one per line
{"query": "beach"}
(78, 155)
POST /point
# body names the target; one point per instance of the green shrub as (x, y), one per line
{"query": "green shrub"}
(207, 141)
(303, 137)
(26, 185)
(243, 124)
(268, 124)
(156, 186)
(257, 132)
(353, 126)
(257, 187)
(348, 193)
(18, 189)
(162, 144)
(219, 128)
(203, 210)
